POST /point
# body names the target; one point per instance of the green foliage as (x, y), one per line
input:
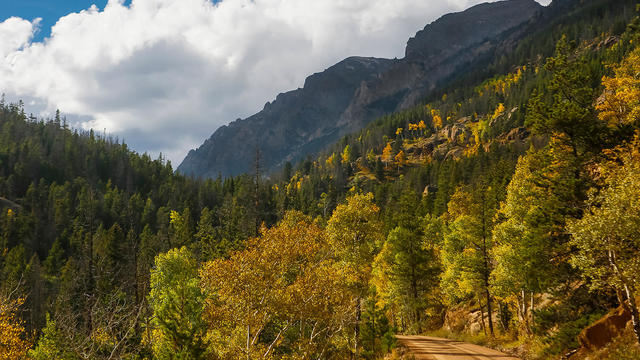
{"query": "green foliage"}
(377, 335)
(51, 344)
(282, 297)
(463, 200)
(405, 274)
(176, 299)
(564, 107)
(355, 235)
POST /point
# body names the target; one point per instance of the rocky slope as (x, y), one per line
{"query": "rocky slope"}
(350, 94)
(296, 123)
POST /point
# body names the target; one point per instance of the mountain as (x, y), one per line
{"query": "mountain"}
(349, 95)
(296, 123)
(497, 207)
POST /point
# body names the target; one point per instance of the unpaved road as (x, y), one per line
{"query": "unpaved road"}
(432, 348)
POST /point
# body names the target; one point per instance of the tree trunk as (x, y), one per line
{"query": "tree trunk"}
(489, 316)
(628, 289)
(248, 342)
(531, 309)
(357, 327)
(525, 315)
(635, 319)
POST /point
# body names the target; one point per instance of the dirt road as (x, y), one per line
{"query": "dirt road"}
(432, 348)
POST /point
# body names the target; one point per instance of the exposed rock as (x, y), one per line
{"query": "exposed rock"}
(604, 330)
(508, 116)
(456, 319)
(429, 189)
(610, 41)
(475, 322)
(457, 131)
(350, 94)
(464, 319)
(519, 133)
(454, 154)
(440, 152)
(296, 123)
(442, 48)
(424, 146)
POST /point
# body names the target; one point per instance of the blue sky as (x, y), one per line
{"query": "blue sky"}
(49, 10)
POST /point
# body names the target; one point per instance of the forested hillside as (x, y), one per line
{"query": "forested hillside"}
(505, 207)
(349, 95)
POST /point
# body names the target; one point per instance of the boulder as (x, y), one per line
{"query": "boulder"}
(604, 330)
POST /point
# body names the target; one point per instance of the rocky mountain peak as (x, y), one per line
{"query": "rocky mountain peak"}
(350, 94)
(460, 30)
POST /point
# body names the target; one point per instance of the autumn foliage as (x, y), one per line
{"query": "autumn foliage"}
(13, 337)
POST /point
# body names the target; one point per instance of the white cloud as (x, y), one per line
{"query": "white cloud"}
(15, 33)
(164, 74)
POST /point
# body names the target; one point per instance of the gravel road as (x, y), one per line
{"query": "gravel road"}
(432, 348)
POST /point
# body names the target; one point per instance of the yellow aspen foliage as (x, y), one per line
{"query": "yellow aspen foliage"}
(284, 279)
(499, 111)
(413, 128)
(607, 236)
(346, 154)
(13, 345)
(176, 300)
(437, 119)
(461, 139)
(501, 84)
(399, 131)
(387, 153)
(421, 125)
(354, 234)
(621, 99)
(330, 160)
(175, 217)
(437, 122)
(401, 159)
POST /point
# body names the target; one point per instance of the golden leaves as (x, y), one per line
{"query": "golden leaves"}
(387, 153)
(620, 102)
(13, 345)
(284, 276)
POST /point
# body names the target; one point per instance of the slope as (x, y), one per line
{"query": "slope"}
(352, 93)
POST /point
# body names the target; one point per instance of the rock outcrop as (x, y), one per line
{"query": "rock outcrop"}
(604, 330)
(352, 93)
(296, 123)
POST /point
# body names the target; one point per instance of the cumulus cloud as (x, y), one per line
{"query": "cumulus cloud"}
(164, 74)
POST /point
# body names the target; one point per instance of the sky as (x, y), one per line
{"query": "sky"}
(163, 75)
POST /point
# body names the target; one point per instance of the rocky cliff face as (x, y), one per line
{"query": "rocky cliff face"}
(296, 123)
(350, 94)
(439, 51)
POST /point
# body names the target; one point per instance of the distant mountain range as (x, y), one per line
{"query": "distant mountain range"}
(347, 96)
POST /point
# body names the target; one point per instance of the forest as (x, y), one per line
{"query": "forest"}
(514, 194)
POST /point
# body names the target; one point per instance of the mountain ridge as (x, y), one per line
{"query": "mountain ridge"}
(350, 94)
